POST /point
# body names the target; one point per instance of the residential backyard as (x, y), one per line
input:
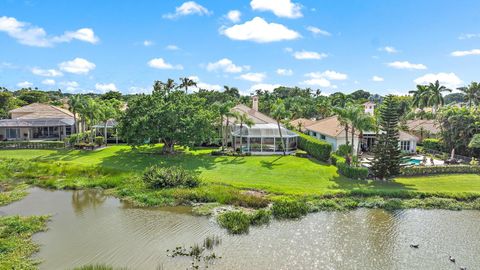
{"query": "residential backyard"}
(275, 174)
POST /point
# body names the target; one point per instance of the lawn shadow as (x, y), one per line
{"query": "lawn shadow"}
(231, 161)
(347, 184)
(271, 164)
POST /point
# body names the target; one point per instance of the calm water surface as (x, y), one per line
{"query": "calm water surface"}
(88, 227)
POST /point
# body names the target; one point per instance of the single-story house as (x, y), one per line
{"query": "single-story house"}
(262, 138)
(330, 130)
(37, 122)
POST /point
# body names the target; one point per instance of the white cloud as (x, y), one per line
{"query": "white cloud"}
(188, 8)
(258, 30)
(317, 31)
(25, 84)
(147, 43)
(234, 16)
(468, 36)
(70, 86)
(83, 34)
(137, 90)
(281, 8)
(448, 79)
(288, 49)
(159, 63)
(77, 66)
(31, 35)
(264, 86)
(465, 53)
(46, 72)
(48, 82)
(284, 72)
(172, 47)
(377, 79)
(303, 55)
(203, 85)
(328, 74)
(226, 65)
(105, 87)
(406, 65)
(253, 77)
(388, 49)
(322, 82)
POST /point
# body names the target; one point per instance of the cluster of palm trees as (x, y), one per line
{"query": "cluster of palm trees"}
(429, 96)
(170, 84)
(472, 94)
(92, 111)
(354, 121)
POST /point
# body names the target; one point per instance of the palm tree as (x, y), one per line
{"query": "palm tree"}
(243, 119)
(435, 97)
(74, 104)
(224, 112)
(186, 82)
(420, 96)
(170, 85)
(343, 115)
(472, 93)
(92, 112)
(363, 122)
(279, 113)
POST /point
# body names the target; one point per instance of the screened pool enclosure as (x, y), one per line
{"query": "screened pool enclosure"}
(263, 139)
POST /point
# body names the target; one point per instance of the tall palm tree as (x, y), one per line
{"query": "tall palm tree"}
(472, 93)
(435, 97)
(170, 85)
(224, 113)
(74, 104)
(344, 116)
(243, 119)
(186, 82)
(279, 113)
(420, 96)
(363, 122)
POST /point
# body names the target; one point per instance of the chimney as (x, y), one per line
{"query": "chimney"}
(255, 103)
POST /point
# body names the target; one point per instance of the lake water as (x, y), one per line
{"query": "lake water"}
(88, 227)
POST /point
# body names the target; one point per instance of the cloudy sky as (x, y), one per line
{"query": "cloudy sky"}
(377, 45)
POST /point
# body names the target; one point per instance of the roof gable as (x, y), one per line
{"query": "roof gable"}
(256, 116)
(38, 110)
(329, 126)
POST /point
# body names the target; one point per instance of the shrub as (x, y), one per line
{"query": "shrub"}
(236, 222)
(99, 140)
(334, 158)
(352, 172)
(289, 209)
(344, 150)
(159, 177)
(433, 144)
(427, 170)
(314, 147)
(260, 217)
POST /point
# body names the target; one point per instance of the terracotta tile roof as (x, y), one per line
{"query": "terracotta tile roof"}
(304, 122)
(405, 136)
(257, 117)
(329, 126)
(427, 125)
(40, 111)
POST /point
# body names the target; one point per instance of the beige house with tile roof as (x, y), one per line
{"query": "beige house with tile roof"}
(300, 123)
(37, 122)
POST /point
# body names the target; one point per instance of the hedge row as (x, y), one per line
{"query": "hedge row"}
(32, 145)
(426, 170)
(347, 170)
(433, 144)
(314, 147)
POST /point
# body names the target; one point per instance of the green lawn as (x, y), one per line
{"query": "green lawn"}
(277, 174)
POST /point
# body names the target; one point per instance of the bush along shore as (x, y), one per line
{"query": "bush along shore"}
(171, 186)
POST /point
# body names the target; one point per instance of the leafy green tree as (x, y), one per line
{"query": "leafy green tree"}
(386, 162)
(7, 103)
(454, 98)
(457, 127)
(360, 95)
(279, 113)
(30, 96)
(474, 142)
(109, 109)
(171, 118)
(111, 95)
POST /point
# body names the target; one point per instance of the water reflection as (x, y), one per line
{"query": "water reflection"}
(89, 227)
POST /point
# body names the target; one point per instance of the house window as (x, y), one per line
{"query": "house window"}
(314, 134)
(322, 137)
(405, 145)
(13, 133)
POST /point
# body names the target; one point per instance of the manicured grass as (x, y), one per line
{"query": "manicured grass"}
(289, 175)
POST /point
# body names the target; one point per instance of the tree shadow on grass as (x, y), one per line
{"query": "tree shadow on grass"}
(271, 164)
(347, 184)
(230, 160)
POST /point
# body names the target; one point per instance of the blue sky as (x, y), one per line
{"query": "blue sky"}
(376, 45)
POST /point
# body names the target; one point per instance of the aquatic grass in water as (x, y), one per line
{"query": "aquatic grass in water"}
(285, 209)
(198, 253)
(98, 267)
(236, 222)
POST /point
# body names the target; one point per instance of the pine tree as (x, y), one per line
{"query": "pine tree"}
(386, 162)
